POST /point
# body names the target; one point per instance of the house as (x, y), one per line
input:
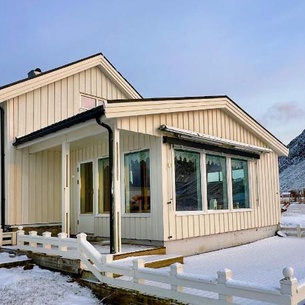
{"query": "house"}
(81, 149)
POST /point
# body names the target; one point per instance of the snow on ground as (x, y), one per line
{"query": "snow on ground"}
(258, 263)
(41, 286)
(294, 215)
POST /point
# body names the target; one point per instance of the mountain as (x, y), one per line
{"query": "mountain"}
(292, 168)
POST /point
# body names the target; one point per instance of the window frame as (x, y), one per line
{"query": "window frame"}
(98, 101)
(203, 169)
(124, 209)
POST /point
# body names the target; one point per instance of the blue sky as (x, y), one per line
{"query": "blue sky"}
(252, 51)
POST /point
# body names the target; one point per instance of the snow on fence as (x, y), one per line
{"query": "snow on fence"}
(172, 284)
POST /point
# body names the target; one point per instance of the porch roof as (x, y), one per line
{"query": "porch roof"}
(66, 123)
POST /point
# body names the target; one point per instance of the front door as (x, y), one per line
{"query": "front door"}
(86, 219)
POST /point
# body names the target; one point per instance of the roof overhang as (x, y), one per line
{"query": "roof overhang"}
(98, 60)
(74, 128)
(214, 141)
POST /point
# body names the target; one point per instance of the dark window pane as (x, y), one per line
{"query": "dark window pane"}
(216, 175)
(137, 182)
(187, 181)
(240, 184)
(104, 184)
(86, 188)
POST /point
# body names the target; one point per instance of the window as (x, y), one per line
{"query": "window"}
(137, 182)
(240, 184)
(187, 181)
(89, 102)
(216, 177)
(86, 188)
(206, 182)
(103, 186)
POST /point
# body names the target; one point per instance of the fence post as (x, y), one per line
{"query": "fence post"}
(61, 237)
(222, 277)
(136, 265)
(14, 238)
(107, 259)
(299, 232)
(20, 233)
(176, 269)
(46, 235)
(80, 238)
(289, 283)
(32, 243)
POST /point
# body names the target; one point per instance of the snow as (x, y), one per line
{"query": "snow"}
(259, 264)
(40, 286)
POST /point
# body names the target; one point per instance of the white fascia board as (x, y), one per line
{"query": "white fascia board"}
(67, 135)
(200, 137)
(50, 77)
(118, 79)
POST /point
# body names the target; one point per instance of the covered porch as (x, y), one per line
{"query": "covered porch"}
(86, 146)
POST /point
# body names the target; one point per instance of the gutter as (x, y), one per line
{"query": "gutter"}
(2, 166)
(110, 190)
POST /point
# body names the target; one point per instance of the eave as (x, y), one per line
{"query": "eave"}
(129, 108)
(99, 60)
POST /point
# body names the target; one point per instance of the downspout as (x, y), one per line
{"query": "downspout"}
(110, 190)
(2, 165)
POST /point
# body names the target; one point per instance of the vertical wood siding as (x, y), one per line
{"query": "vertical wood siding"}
(135, 226)
(264, 188)
(34, 180)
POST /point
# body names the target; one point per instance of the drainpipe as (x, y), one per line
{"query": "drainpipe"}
(110, 190)
(2, 165)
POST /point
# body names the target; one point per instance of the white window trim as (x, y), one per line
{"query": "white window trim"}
(205, 209)
(123, 196)
(94, 162)
(98, 101)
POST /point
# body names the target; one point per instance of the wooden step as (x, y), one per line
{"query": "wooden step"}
(150, 251)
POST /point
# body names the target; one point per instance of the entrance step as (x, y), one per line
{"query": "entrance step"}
(149, 251)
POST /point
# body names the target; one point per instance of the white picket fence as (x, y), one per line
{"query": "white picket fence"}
(293, 230)
(172, 284)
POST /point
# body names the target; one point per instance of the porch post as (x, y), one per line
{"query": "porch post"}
(117, 189)
(65, 180)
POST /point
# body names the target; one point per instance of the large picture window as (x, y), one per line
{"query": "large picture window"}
(240, 183)
(137, 182)
(216, 177)
(187, 181)
(220, 183)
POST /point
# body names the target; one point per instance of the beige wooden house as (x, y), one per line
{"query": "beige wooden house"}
(81, 148)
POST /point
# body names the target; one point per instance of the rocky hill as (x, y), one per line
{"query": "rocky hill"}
(292, 168)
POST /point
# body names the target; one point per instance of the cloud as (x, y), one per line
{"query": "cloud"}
(283, 113)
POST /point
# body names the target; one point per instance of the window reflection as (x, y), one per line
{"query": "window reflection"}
(187, 181)
(137, 182)
(240, 184)
(216, 175)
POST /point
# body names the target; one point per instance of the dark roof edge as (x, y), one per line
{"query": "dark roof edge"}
(193, 98)
(66, 123)
(70, 64)
(174, 98)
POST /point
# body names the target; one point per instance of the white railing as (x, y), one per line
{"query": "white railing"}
(173, 284)
(7, 238)
(295, 230)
